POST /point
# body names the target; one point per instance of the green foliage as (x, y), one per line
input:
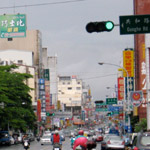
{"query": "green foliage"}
(17, 111)
(141, 126)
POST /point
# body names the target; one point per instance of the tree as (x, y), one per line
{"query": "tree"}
(17, 111)
(142, 125)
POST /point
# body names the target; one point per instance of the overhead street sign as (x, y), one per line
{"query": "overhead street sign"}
(110, 101)
(135, 24)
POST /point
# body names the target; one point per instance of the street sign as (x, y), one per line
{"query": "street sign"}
(135, 24)
(101, 107)
(12, 26)
(110, 101)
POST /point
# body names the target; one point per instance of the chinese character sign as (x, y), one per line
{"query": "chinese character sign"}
(12, 26)
(120, 88)
(128, 63)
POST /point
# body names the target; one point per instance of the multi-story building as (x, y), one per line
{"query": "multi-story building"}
(70, 93)
(50, 63)
(23, 59)
(31, 44)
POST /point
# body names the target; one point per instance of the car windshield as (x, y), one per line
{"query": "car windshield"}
(2, 135)
(46, 137)
(115, 138)
(145, 140)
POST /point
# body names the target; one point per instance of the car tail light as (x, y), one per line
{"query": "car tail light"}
(123, 142)
(108, 142)
(135, 148)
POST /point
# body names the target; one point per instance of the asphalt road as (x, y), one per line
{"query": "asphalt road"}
(37, 146)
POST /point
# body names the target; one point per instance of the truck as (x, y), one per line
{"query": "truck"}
(5, 138)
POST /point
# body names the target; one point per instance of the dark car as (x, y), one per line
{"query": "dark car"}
(5, 138)
(141, 141)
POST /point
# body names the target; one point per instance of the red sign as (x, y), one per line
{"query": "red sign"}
(120, 89)
(39, 109)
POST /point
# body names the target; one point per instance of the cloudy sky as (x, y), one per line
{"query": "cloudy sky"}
(62, 24)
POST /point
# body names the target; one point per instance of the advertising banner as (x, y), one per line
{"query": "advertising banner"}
(120, 89)
(39, 109)
(136, 98)
(12, 26)
(128, 62)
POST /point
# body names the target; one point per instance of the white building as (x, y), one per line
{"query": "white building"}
(50, 62)
(70, 93)
(23, 59)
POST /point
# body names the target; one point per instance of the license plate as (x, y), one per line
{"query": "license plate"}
(56, 149)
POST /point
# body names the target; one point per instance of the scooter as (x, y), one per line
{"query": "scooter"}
(26, 144)
(38, 139)
(56, 146)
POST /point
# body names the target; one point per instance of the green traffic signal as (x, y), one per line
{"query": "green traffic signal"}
(50, 114)
(109, 25)
(99, 26)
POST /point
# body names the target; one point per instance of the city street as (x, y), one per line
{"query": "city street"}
(37, 146)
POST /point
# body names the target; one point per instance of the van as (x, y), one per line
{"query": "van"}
(5, 138)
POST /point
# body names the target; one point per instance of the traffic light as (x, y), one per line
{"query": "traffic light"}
(99, 102)
(99, 26)
(50, 114)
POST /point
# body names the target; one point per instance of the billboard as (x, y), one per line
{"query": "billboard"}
(12, 26)
(136, 98)
(128, 62)
(120, 89)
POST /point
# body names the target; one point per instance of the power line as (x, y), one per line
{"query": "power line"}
(42, 4)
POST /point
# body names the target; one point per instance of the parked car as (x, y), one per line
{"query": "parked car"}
(5, 138)
(141, 141)
(112, 142)
(45, 140)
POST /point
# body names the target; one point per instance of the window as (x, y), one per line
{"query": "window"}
(68, 83)
(10, 39)
(69, 88)
(20, 61)
(78, 82)
(63, 83)
(78, 88)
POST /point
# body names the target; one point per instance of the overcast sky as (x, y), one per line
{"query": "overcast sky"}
(62, 24)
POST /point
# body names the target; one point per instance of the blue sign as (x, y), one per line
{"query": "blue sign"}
(41, 81)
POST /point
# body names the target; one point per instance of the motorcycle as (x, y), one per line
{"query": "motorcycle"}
(38, 139)
(56, 146)
(26, 144)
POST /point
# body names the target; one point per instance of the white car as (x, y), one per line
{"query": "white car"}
(45, 139)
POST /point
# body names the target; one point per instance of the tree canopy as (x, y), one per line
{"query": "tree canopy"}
(14, 93)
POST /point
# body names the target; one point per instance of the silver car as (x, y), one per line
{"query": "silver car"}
(45, 140)
(113, 142)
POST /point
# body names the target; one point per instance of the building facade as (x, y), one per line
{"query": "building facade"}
(70, 93)
(23, 59)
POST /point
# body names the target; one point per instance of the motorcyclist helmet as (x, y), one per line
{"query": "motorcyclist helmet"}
(81, 132)
(56, 131)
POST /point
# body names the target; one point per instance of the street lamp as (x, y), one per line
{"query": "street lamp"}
(102, 63)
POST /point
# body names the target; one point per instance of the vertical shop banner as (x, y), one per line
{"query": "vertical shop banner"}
(128, 62)
(46, 74)
(42, 96)
(39, 109)
(120, 89)
(47, 95)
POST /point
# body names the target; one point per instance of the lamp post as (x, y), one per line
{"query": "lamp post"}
(127, 96)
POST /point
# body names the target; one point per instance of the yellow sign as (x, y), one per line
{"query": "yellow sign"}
(128, 63)
(58, 105)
